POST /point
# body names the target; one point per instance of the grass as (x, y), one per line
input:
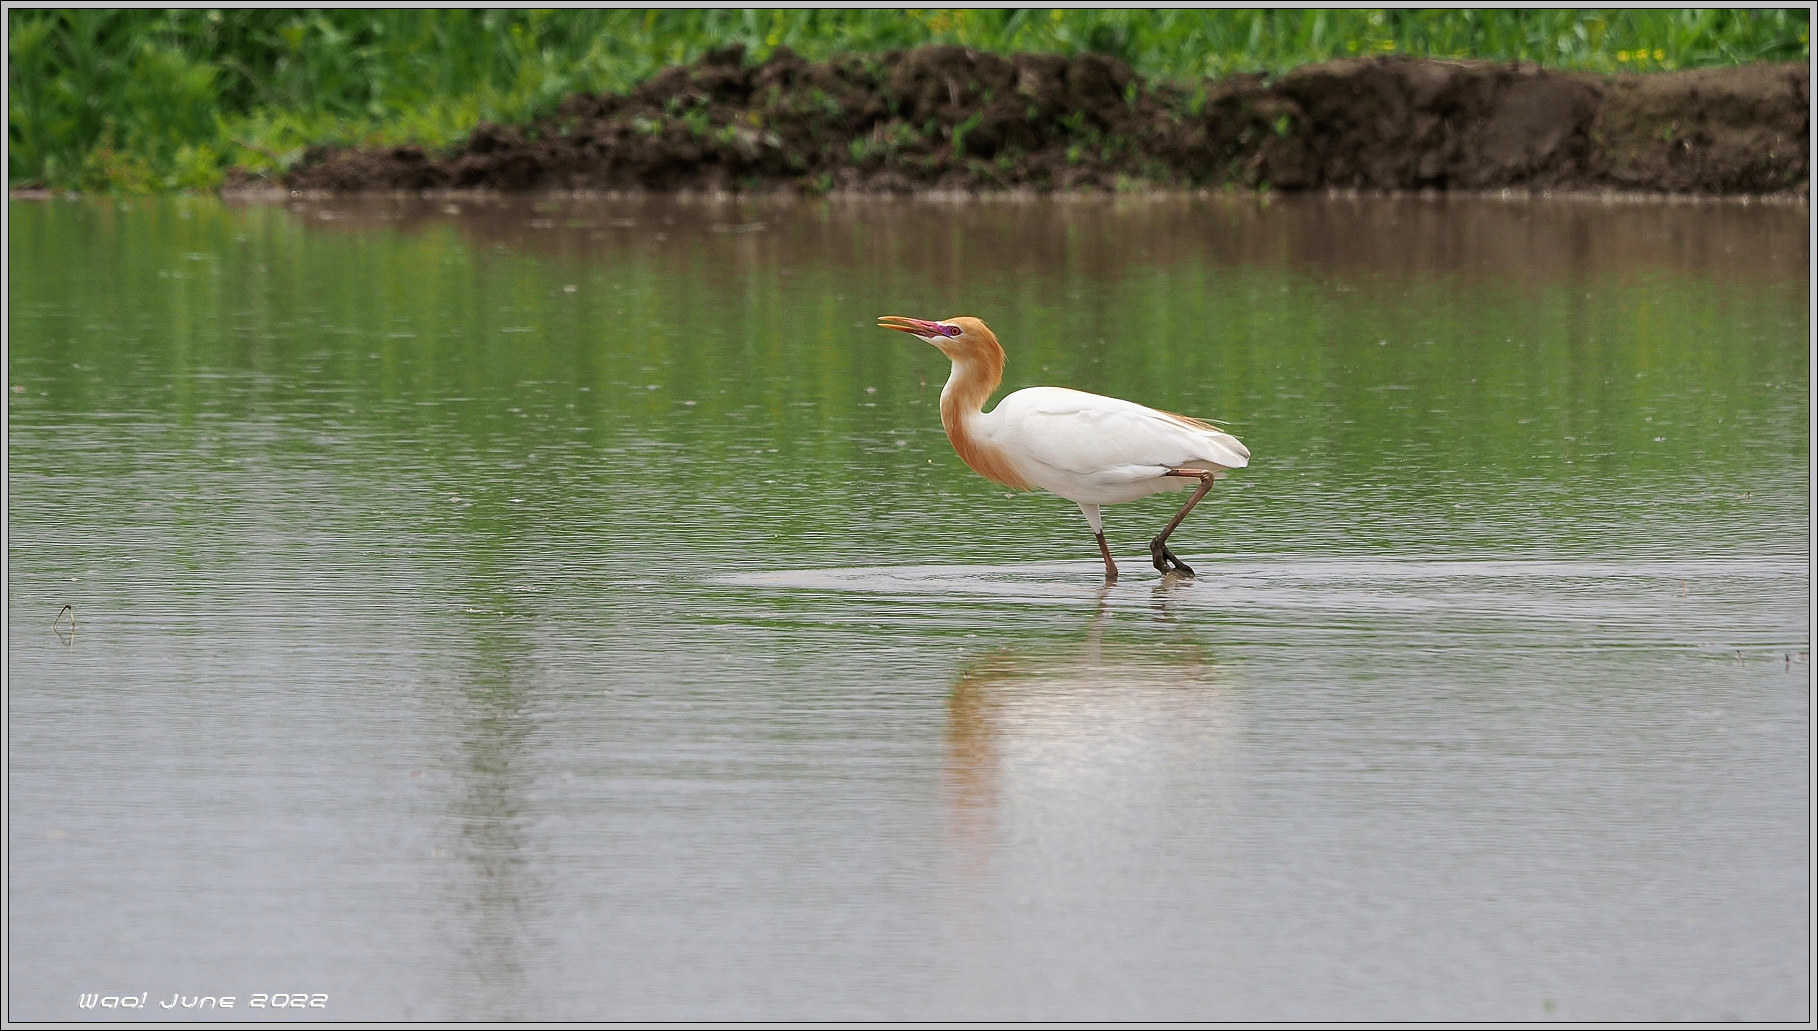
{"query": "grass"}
(145, 100)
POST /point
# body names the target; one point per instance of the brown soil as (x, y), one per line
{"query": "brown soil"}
(956, 119)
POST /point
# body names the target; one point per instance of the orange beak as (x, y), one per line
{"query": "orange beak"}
(919, 327)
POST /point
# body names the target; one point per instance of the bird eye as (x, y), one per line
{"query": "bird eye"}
(952, 331)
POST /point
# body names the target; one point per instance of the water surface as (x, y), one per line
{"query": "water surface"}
(572, 609)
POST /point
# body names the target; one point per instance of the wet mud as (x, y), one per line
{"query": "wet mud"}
(949, 118)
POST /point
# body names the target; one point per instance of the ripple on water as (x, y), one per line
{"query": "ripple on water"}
(1522, 602)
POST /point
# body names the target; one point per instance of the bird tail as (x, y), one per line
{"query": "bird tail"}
(1221, 447)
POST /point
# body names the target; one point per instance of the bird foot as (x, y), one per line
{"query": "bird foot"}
(1164, 557)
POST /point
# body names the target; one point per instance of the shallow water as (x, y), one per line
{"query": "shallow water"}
(571, 609)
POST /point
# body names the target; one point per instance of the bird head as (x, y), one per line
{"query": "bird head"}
(959, 338)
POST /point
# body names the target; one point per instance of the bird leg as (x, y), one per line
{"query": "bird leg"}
(1097, 522)
(1158, 547)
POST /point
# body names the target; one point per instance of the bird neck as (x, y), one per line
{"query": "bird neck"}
(975, 375)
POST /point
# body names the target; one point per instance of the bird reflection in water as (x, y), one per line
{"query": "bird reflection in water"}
(1036, 722)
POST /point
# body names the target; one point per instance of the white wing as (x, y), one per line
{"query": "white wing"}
(1092, 439)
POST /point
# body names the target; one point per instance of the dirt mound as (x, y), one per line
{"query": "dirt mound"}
(951, 118)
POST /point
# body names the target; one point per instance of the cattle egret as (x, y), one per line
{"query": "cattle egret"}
(1091, 450)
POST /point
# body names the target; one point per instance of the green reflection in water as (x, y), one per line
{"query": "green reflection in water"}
(697, 385)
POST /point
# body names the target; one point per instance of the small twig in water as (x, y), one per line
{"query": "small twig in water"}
(70, 638)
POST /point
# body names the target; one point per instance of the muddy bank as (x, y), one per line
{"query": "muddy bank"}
(955, 119)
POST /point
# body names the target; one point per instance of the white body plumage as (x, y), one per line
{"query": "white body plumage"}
(1097, 450)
